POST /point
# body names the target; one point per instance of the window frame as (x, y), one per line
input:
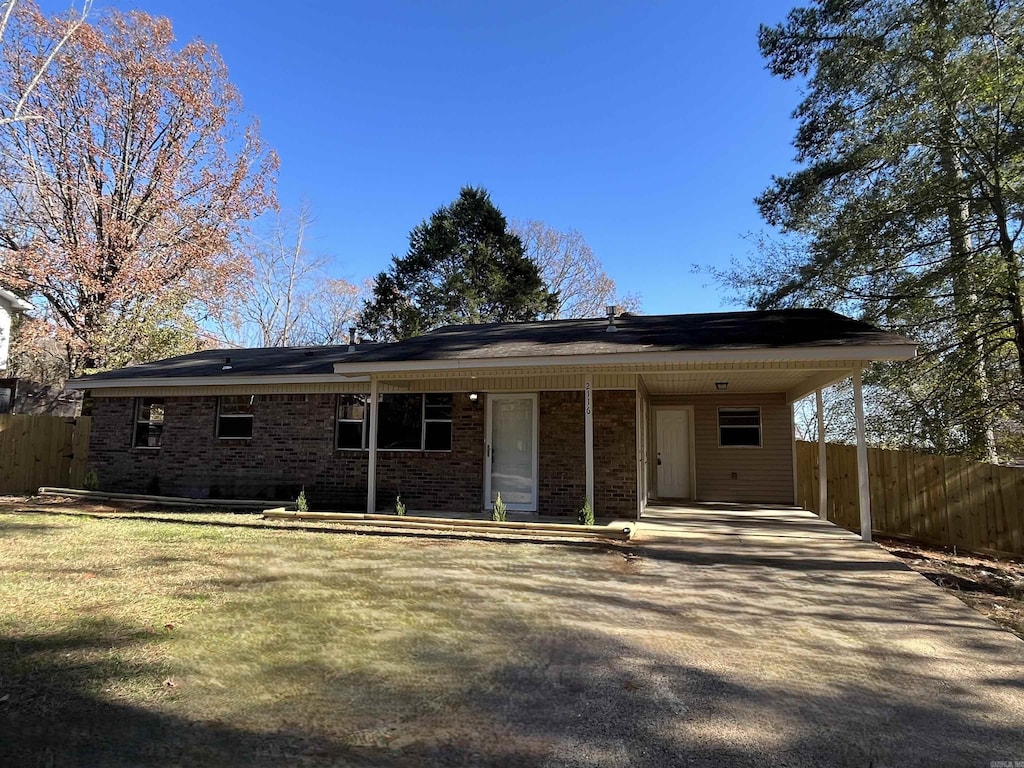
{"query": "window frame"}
(741, 408)
(363, 422)
(137, 420)
(222, 415)
(423, 423)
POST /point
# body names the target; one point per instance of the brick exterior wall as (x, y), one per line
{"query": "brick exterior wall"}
(615, 453)
(561, 458)
(293, 447)
(451, 481)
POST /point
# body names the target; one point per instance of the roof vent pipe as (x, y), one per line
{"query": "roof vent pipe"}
(612, 310)
(227, 364)
(352, 339)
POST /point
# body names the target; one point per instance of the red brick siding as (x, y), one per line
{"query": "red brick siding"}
(451, 481)
(562, 458)
(293, 447)
(615, 453)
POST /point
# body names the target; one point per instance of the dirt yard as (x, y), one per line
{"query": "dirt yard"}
(992, 586)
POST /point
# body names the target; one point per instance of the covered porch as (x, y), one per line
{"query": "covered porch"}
(630, 439)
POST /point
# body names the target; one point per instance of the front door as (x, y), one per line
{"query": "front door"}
(672, 427)
(511, 451)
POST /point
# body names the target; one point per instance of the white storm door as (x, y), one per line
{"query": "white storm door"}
(511, 451)
(673, 444)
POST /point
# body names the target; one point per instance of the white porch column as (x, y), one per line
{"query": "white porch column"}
(822, 458)
(862, 460)
(588, 430)
(371, 459)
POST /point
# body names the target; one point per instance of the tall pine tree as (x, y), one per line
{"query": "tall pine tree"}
(463, 265)
(909, 204)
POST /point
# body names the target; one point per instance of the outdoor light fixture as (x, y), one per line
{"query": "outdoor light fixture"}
(721, 386)
(474, 399)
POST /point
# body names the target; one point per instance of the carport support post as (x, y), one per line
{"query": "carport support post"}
(371, 458)
(588, 435)
(862, 460)
(822, 459)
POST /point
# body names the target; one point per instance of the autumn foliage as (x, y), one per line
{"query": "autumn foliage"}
(122, 194)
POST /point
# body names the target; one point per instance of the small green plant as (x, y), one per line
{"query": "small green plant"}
(301, 504)
(91, 481)
(399, 506)
(498, 513)
(586, 513)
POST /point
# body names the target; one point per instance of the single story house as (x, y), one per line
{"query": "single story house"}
(621, 410)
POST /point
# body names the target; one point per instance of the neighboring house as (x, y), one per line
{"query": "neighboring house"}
(621, 410)
(9, 304)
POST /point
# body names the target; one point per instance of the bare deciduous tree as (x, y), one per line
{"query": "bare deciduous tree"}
(15, 113)
(286, 297)
(569, 266)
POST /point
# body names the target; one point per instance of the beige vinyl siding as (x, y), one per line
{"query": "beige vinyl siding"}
(762, 475)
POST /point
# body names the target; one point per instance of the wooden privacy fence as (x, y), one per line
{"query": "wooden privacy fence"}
(942, 500)
(42, 450)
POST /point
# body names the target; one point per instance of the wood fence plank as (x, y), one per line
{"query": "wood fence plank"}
(944, 500)
(1008, 497)
(37, 450)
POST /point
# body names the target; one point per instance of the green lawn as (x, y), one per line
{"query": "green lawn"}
(132, 642)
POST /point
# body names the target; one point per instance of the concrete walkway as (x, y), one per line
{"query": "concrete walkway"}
(827, 647)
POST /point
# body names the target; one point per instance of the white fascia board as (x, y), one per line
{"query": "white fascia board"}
(867, 353)
(15, 301)
(212, 381)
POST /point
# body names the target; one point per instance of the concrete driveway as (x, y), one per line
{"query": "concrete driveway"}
(809, 647)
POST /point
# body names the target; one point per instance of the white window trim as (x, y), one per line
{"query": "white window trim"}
(734, 408)
(250, 416)
(363, 422)
(136, 421)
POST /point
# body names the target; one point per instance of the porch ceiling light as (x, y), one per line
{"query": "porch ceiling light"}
(721, 386)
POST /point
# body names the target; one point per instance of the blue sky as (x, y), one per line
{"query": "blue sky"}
(647, 126)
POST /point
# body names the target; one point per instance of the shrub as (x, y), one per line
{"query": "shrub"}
(586, 513)
(91, 481)
(498, 514)
(301, 504)
(399, 506)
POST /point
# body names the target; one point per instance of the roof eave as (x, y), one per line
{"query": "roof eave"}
(15, 301)
(209, 381)
(854, 352)
(361, 371)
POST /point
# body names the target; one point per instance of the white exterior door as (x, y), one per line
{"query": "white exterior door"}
(511, 451)
(672, 428)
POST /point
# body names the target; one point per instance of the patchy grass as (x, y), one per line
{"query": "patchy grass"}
(137, 642)
(233, 636)
(989, 585)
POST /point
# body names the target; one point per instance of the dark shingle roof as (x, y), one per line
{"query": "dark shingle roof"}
(263, 361)
(792, 328)
(636, 333)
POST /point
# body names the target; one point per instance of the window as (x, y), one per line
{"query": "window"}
(353, 416)
(234, 416)
(415, 422)
(739, 427)
(149, 422)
